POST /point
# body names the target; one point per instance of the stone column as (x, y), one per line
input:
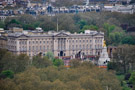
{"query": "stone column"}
(17, 47)
(55, 47)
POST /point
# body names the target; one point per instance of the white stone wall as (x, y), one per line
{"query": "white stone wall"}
(33, 45)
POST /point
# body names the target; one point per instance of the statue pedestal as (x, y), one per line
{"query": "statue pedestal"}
(103, 59)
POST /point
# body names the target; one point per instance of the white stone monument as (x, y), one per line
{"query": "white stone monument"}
(103, 59)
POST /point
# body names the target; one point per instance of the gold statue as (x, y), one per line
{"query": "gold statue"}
(104, 44)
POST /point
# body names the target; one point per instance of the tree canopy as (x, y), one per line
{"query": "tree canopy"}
(108, 22)
(84, 77)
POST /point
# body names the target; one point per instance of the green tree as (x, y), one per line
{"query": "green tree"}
(7, 74)
(14, 63)
(58, 62)
(50, 55)
(2, 53)
(2, 24)
(124, 58)
(22, 62)
(89, 27)
(88, 83)
(132, 79)
(28, 27)
(14, 21)
(8, 63)
(109, 28)
(41, 62)
(8, 85)
(74, 63)
(128, 40)
(115, 38)
(82, 23)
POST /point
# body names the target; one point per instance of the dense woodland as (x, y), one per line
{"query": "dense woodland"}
(41, 73)
(19, 72)
(114, 25)
(123, 62)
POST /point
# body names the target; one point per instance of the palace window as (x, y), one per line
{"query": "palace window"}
(33, 47)
(83, 46)
(80, 46)
(76, 46)
(37, 48)
(73, 41)
(40, 48)
(90, 46)
(44, 47)
(29, 48)
(72, 46)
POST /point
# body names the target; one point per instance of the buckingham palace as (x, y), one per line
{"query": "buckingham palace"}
(62, 43)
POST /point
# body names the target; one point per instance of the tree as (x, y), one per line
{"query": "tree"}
(41, 62)
(89, 27)
(74, 63)
(2, 53)
(84, 77)
(50, 56)
(22, 62)
(66, 23)
(76, 18)
(2, 24)
(124, 57)
(8, 63)
(109, 28)
(14, 21)
(115, 38)
(58, 62)
(7, 74)
(28, 27)
(87, 83)
(8, 85)
(14, 63)
(128, 40)
(132, 79)
(82, 23)
(26, 19)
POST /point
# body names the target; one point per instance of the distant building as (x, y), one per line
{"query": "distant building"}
(60, 43)
(120, 8)
(124, 9)
(7, 3)
(120, 1)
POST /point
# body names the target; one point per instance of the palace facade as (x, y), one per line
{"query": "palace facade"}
(61, 43)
